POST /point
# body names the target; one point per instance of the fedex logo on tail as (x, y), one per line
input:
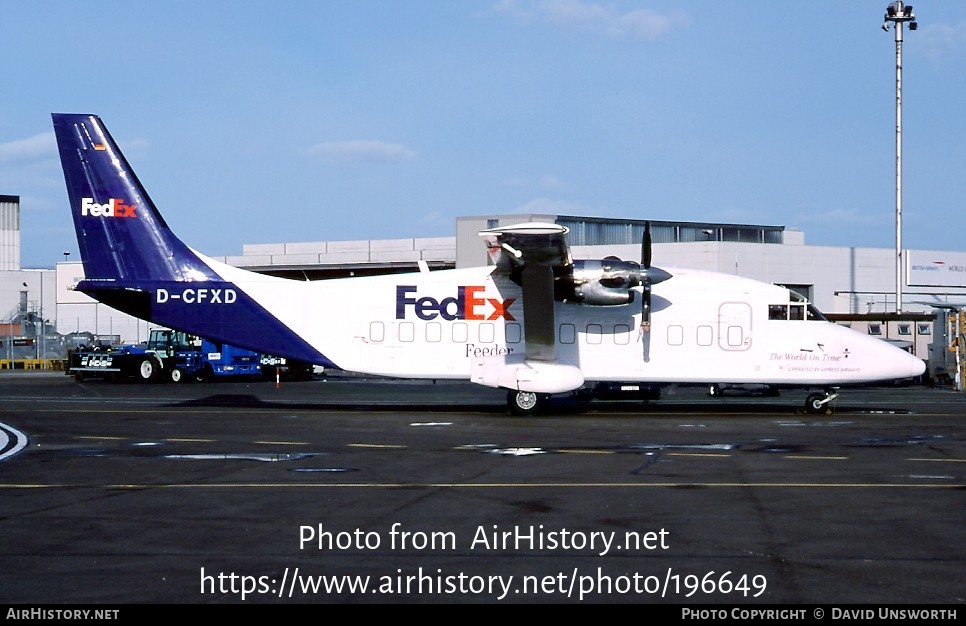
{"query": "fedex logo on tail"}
(114, 207)
(468, 304)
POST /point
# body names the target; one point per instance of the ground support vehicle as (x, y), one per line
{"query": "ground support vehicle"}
(167, 355)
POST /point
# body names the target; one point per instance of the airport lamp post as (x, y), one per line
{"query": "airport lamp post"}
(899, 13)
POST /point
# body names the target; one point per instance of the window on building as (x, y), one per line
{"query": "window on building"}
(875, 329)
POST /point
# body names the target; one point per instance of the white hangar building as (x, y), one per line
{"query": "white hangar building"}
(836, 279)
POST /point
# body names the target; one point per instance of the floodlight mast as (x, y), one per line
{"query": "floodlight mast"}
(898, 13)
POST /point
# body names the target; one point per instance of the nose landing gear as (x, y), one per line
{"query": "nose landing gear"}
(821, 403)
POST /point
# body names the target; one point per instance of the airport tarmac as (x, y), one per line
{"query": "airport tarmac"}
(353, 490)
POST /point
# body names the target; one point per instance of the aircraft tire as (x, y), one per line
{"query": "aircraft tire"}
(815, 406)
(524, 403)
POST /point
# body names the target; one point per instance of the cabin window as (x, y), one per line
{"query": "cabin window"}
(875, 329)
(905, 329)
(778, 311)
(675, 335)
(796, 312)
(377, 331)
(434, 332)
(513, 333)
(622, 334)
(595, 333)
(734, 336)
(407, 331)
(486, 333)
(568, 333)
(459, 332)
(705, 335)
(924, 329)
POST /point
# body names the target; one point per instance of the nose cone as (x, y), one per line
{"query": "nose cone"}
(894, 363)
(916, 365)
(868, 359)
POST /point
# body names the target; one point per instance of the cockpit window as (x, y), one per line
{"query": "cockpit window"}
(814, 315)
(798, 309)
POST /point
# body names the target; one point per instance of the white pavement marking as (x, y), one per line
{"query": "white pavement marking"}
(12, 441)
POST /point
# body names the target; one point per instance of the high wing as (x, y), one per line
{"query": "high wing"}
(536, 257)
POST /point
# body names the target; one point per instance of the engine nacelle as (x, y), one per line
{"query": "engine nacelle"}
(605, 283)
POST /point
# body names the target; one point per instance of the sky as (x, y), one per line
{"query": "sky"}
(289, 121)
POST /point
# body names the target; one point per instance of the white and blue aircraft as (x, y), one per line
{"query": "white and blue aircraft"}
(535, 322)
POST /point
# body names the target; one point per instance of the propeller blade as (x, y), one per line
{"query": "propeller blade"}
(646, 246)
(646, 279)
(646, 308)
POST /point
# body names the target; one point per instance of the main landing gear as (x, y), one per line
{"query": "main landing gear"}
(821, 403)
(525, 402)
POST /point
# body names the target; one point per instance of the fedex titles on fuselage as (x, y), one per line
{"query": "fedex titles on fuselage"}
(467, 304)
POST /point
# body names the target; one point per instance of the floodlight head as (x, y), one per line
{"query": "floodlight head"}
(913, 25)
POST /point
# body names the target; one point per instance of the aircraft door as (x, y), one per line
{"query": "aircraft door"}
(734, 326)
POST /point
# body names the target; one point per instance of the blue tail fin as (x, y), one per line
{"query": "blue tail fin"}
(134, 263)
(122, 237)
